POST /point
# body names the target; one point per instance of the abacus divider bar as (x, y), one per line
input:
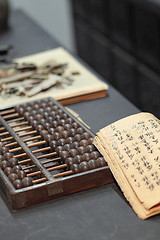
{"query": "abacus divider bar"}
(7, 111)
(26, 150)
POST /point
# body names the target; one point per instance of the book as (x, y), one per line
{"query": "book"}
(131, 148)
(85, 85)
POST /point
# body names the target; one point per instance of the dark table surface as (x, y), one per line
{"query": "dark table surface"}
(100, 213)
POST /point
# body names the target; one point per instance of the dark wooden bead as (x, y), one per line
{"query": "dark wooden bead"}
(81, 150)
(65, 134)
(95, 154)
(69, 161)
(86, 157)
(60, 112)
(80, 130)
(43, 105)
(75, 125)
(1, 145)
(78, 137)
(69, 120)
(78, 159)
(73, 152)
(83, 143)
(28, 109)
(90, 148)
(34, 123)
(1, 158)
(72, 132)
(4, 150)
(39, 128)
(67, 147)
(17, 168)
(75, 168)
(45, 115)
(101, 162)
(90, 141)
(67, 126)
(59, 149)
(12, 177)
(36, 106)
(50, 104)
(75, 145)
(64, 116)
(84, 166)
(62, 122)
(38, 117)
(56, 136)
(53, 145)
(18, 184)
(41, 111)
(48, 138)
(86, 135)
(42, 121)
(55, 123)
(7, 155)
(70, 140)
(60, 129)
(58, 118)
(64, 155)
(50, 119)
(92, 164)
(47, 125)
(4, 164)
(51, 131)
(55, 108)
(48, 109)
(26, 115)
(13, 162)
(33, 113)
(27, 181)
(21, 174)
(43, 133)
(30, 119)
(21, 111)
(8, 170)
(52, 114)
(61, 142)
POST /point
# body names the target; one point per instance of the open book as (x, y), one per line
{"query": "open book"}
(131, 147)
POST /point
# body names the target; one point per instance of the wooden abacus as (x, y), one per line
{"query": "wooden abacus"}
(45, 153)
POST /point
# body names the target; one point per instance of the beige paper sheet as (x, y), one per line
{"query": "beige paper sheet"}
(84, 83)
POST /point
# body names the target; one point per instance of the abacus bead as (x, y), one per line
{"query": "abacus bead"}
(69, 161)
(62, 122)
(48, 109)
(69, 120)
(86, 157)
(30, 119)
(34, 123)
(43, 105)
(21, 174)
(50, 103)
(56, 136)
(26, 115)
(86, 135)
(13, 162)
(73, 152)
(53, 144)
(81, 150)
(1, 158)
(75, 145)
(33, 113)
(59, 149)
(40, 111)
(55, 108)
(58, 118)
(20, 111)
(51, 131)
(38, 117)
(4, 164)
(90, 141)
(75, 125)
(64, 116)
(45, 115)
(8, 170)
(67, 126)
(47, 125)
(26, 182)
(95, 154)
(39, 128)
(12, 177)
(64, 155)
(92, 164)
(101, 162)
(78, 137)
(28, 109)
(75, 168)
(64, 134)
(43, 133)
(50, 119)
(72, 132)
(90, 148)
(42, 121)
(60, 112)
(55, 123)
(83, 143)
(4, 150)
(1, 145)
(8, 155)
(84, 166)
(48, 137)
(78, 159)
(36, 107)
(17, 168)
(67, 147)
(61, 142)
(70, 140)
(80, 130)
(60, 129)
(18, 184)
(52, 114)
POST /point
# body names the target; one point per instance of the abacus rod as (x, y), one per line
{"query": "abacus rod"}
(23, 129)
(35, 151)
(63, 174)
(43, 162)
(29, 145)
(6, 139)
(38, 157)
(11, 116)
(24, 140)
(15, 120)
(39, 180)
(19, 124)
(48, 169)
(7, 111)
(27, 133)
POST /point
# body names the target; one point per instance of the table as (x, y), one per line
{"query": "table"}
(101, 213)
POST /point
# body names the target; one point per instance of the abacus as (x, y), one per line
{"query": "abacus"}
(45, 153)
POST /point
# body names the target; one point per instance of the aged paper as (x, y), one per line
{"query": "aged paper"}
(84, 83)
(131, 148)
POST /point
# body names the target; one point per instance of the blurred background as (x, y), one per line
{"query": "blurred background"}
(120, 39)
